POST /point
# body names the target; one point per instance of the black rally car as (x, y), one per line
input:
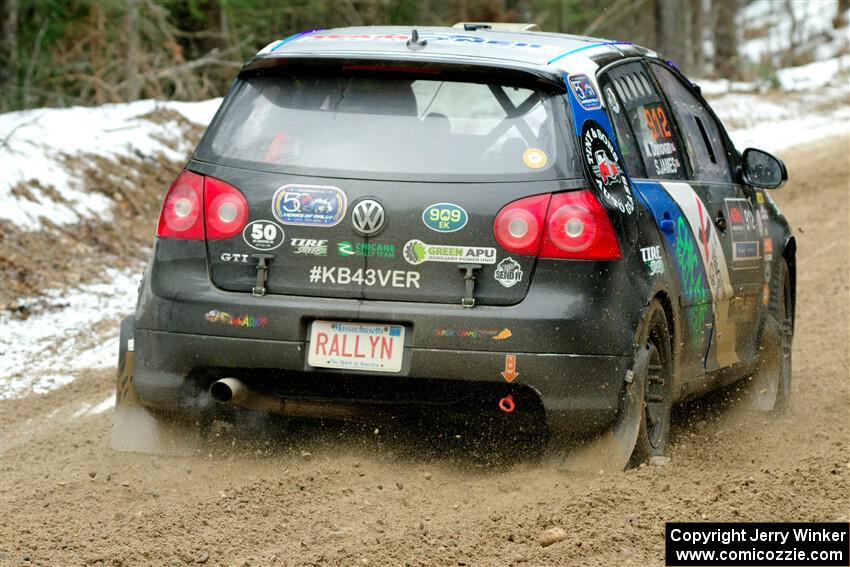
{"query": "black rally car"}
(507, 224)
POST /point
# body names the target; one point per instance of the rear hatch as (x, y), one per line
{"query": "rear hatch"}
(380, 181)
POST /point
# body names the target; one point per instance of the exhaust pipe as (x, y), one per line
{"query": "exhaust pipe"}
(234, 391)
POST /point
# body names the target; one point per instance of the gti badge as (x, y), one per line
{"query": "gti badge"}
(368, 217)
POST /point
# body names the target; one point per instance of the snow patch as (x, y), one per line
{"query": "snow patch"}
(45, 351)
(31, 141)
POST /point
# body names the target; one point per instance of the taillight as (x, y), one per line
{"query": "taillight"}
(182, 216)
(226, 210)
(518, 227)
(570, 225)
(577, 227)
(198, 207)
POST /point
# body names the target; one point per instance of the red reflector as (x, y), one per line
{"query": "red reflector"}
(181, 215)
(226, 209)
(578, 228)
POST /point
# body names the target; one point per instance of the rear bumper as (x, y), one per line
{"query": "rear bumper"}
(579, 393)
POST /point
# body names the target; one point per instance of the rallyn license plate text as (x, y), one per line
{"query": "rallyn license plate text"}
(356, 346)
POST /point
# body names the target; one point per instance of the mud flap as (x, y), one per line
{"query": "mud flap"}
(134, 428)
(613, 449)
(765, 383)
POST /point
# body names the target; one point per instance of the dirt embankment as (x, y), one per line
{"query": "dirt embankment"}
(369, 499)
(67, 255)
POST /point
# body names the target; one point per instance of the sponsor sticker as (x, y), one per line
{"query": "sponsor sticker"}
(367, 249)
(605, 168)
(613, 103)
(508, 272)
(502, 335)
(248, 321)
(309, 246)
(534, 158)
(445, 217)
(309, 205)
(263, 235)
(584, 92)
(234, 258)
(370, 277)
(417, 252)
(746, 251)
(652, 260)
(746, 232)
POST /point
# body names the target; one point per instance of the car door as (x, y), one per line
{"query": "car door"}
(652, 151)
(736, 269)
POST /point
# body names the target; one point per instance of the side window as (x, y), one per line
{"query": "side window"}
(625, 137)
(703, 139)
(640, 118)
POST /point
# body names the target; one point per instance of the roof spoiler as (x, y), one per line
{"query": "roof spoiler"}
(497, 26)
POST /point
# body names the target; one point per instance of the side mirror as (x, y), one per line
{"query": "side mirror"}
(762, 170)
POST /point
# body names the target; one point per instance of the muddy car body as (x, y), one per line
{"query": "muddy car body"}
(495, 222)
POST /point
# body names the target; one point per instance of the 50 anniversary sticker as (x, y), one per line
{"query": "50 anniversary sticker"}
(309, 205)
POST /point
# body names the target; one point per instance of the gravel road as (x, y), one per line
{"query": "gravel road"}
(356, 497)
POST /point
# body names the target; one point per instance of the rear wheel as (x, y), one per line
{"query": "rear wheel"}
(657, 394)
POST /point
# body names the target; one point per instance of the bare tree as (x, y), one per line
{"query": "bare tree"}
(9, 57)
(726, 38)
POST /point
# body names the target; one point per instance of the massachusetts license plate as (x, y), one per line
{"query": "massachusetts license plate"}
(356, 346)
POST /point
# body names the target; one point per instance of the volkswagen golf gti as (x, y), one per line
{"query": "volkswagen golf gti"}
(529, 227)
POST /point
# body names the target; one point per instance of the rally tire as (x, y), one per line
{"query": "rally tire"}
(658, 391)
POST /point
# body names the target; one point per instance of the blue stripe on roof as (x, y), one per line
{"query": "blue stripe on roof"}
(562, 55)
(290, 38)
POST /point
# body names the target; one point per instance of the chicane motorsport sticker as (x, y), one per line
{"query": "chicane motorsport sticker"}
(605, 167)
(366, 249)
(263, 235)
(417, 252)
(309, 205)
(445, 217)
(508, 272)
(534, 158)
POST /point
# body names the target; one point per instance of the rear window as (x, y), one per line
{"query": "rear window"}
(385, 127)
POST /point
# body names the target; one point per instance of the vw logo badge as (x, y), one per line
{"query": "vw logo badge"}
(368, 217)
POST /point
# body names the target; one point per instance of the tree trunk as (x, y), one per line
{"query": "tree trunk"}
(132, 66)
(726, 38)
(671, 36)
(9, 56)
(697, 50)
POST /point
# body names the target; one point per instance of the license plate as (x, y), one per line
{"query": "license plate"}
(356, 346)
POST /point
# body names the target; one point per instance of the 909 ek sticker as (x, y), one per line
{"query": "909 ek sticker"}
(445, 217)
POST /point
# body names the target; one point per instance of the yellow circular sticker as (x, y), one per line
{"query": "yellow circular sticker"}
(534, 158)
